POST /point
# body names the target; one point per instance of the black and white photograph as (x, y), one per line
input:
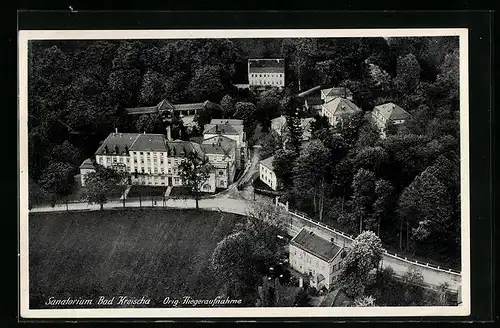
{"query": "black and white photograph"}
(254, 173)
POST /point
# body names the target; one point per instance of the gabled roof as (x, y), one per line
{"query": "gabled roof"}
(191, 106)
(392, 111)
(316, 245)
(87, 164)
(340, 106)
(232, 122)
(117, 143)
(165, 105)
(266, 65)
(268, 162)
(219, 145)
(342, 92)
(180, 148)
(220, 128)
(149, 142)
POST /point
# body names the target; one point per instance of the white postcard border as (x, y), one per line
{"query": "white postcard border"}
(24, 36)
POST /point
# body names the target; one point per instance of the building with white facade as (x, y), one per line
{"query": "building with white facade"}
(266, 72)
(232, 129)
(86, 168)
(389, 113)
(335, 109)
(316, 257)
(152, 159)
(266, 173)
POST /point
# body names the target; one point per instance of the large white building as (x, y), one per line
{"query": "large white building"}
(335, 109)
(316, 257)
(389, 113)
(153, 159)
(266, 173)
(266, 72)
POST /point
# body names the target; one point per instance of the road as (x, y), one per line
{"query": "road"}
(242, 201)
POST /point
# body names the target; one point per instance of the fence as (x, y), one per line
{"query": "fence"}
(397, 262)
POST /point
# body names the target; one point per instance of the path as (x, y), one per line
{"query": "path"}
(432, 276)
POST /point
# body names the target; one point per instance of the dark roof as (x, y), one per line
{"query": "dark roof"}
(268, 162)
(117, 141)
(314, 101)
(192, 106)
(141, 110)
(314, 244)
(337, 92)
(87, 164)
(181, 147)
(198, 140)
(149, 142)
(232, 122)
(276, 65)
(392, 111)
(219, 145)
(307, 92)
(340, 106)
(220, 128)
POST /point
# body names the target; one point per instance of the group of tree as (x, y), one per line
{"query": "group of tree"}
(242, 258)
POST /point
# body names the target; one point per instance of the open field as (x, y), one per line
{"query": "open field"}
(154, 253)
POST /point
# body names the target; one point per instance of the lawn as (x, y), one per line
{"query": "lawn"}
(146, 191)
(154, 253)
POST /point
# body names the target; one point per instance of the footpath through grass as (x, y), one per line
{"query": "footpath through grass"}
(155, 253)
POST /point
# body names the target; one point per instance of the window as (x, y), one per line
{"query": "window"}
(148, 153)
(141, 153)
(142, 170)
(128, 160)
(221, 172)
(114, 159)
(176, 180)
(169, 171)
(121, 159)
(169, 161)
(142, 161)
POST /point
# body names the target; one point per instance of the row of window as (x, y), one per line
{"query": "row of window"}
(266, 75)
(261, 82)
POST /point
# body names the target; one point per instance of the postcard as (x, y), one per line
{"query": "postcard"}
(244, 173)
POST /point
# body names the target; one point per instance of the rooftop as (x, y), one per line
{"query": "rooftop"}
(315, 245)
(117, 143)
(336, 92)
(268, 162)
(219, 145)
(392, 111)
(340, 106)
(87, 164)
(149, 142)
(308, 92)
(220, 128)
(266, 65)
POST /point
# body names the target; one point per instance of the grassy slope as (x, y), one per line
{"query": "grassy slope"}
(150, 253)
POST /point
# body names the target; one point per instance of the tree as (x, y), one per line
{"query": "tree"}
(195, 171)
(383, 204)
(271, 143)
(374, 159)
(206, 84)
(100, 183)
(57, 178)
(359, 266)
(364, 301)
(66, 152)
(282, 167)
(299, 52)
(408, 74)
(268, 105)
(349, 127)
(152, 88)
(310, 173)
(363, 185)
(318, 124)
(426, 208)
(293, 109)
(369, 136)
(413, 291)
(246, 111)
(232, 260)
(124, 84)
(149, 123)
(227, 103)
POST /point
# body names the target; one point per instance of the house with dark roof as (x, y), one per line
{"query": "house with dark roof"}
(232, 129)
(317, 257)
(267, 174)
(266, 72)
(335, 109)
(336, 92)
(389, 113)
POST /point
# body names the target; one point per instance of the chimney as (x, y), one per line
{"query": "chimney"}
(169, 133)
(144, 132)
(116, 130)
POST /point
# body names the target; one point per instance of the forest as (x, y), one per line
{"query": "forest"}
(404, 187)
